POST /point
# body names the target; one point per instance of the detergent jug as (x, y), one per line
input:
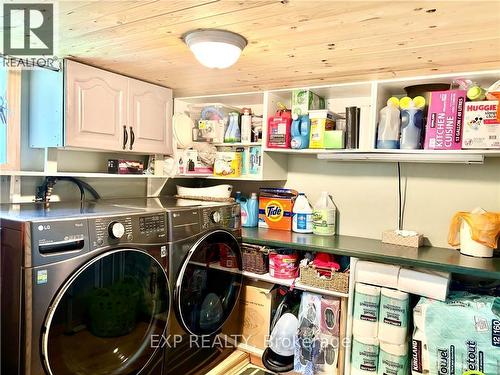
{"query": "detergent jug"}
(249, 211)
(412, 123)
(301, 132)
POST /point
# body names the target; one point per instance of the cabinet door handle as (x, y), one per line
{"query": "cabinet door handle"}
(125, 137)
(132, 137)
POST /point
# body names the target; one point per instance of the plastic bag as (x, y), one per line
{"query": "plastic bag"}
(485, 228)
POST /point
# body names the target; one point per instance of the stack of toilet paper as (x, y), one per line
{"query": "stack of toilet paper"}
(380, 330)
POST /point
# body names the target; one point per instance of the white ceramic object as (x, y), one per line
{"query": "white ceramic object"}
(182, 126)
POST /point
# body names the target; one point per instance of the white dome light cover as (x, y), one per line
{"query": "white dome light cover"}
(215, 48)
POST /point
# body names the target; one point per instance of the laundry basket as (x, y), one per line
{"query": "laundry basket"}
(336, 282)
(255, 259)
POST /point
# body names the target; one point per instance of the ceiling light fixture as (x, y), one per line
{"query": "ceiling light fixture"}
(215, 48)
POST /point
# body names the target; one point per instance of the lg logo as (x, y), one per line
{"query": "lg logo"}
(28, 29)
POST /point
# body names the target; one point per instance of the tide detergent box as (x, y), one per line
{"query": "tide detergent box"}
(445, 120)
(275, 208)
(481, 126)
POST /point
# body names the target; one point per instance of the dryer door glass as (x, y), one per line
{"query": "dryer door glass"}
(209, 283)
(109, 317)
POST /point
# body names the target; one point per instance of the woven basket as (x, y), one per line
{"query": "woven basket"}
(255, 259)
(337, 282)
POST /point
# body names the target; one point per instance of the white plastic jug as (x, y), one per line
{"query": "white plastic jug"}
(302, 215)
(324, 215)
(389, 125)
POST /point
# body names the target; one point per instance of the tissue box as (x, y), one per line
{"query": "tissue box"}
(390, 236)
(481, 127)
(445, 120)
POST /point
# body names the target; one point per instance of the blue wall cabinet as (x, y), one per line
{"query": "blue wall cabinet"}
(89, 108)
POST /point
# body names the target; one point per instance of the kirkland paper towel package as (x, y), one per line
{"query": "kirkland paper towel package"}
(394, 316)
(456, 336)
(366, 310)
(424, 283)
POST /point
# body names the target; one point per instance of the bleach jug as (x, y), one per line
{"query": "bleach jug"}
(324, 215)
(302, 215)
(389, 125)
(412, 122)
(301, 132)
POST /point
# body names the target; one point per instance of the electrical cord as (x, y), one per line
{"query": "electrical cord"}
(401, 198)
(44, 191)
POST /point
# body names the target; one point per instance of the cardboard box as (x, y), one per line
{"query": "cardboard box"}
(275, 208)
(305, 100)
(252, 316)
(445, 120)
(481, 126)
(190, 164)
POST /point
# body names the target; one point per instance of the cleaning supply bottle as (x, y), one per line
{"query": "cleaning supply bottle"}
(302, 215)
(233, 130)
(301, 132)
(412, 123)
(246, 126)
(324, 215)
(252, 210)
(389, 125)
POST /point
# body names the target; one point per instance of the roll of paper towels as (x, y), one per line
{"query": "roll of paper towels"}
(393, 359)
(366, 310)
(377, 274)
(432, 285)
(393, 317)
(364, 356)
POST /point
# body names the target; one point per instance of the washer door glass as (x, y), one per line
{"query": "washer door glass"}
(107, 316)
(209, 283)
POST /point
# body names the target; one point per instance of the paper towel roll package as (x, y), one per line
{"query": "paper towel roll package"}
(393, 359)
(426, 284)
(364, 355)
(393, 317)
(366, 310)
(455, 336)
(377, 274)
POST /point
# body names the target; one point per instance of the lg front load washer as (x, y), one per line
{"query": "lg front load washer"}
(84, 289)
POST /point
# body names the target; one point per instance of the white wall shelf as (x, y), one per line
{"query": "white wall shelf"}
(436, 157)
(77, 174)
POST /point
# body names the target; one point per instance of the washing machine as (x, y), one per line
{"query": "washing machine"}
(205, 267)
(84, 289)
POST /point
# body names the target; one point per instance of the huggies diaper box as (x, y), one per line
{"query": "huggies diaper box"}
(275, 208)
(481, 126)
(444, 120)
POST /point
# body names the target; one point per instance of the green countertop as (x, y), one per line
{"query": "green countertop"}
(437, 258)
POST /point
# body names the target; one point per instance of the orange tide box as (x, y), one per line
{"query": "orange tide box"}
(275, 208)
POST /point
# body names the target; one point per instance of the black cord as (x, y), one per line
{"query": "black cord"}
(44, 191)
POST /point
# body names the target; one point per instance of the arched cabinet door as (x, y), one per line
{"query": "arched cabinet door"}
(106, 316)
(205, 295)
(96, 108)
(150, 113)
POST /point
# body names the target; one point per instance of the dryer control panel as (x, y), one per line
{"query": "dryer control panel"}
(137, 229)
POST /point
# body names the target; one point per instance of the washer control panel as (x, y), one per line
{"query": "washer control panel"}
(139, 229)
(227, 217)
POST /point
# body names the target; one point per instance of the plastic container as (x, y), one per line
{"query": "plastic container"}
(283, 264)
(324, 215)
(389, 125)
(233, 134)
(246, 126)
(279, 130)
(301, 131)
(412, 123)
(302, 215)
(252, 208)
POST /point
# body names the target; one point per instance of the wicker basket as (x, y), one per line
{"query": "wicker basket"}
(255, 259)
(337, 282)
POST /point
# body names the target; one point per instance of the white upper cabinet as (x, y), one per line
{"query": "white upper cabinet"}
(150, 114)
(96, 108)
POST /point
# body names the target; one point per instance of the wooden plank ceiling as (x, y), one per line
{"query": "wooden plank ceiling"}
(291, 42)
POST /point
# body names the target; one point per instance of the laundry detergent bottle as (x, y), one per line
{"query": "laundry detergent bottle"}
(324, 216)
(233, 133)
(252, 208)
(412, 123)
(389, 125)
(302, 215)
(301, 132)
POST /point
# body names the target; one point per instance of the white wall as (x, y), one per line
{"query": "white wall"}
(366, 193)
